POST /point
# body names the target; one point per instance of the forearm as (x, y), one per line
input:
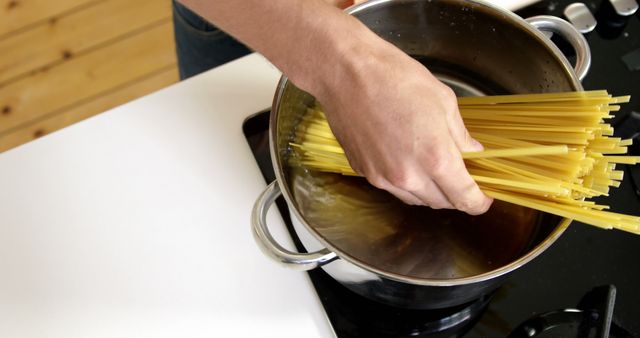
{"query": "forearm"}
(303, 38)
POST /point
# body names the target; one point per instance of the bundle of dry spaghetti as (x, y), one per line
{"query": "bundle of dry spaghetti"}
(549, 152)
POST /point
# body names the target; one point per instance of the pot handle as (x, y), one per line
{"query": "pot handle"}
(571, 34)
(266, 242)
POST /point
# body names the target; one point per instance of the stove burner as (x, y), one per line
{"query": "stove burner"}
(594, 314)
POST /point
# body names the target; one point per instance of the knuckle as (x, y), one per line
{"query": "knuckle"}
(484, 207)
(448, 96)
(464, 205)
(403, 179)
(471, 206)
(438, 165)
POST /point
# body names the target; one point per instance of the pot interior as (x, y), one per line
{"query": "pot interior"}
(477, 50)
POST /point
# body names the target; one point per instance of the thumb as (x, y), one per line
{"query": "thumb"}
(460, 134)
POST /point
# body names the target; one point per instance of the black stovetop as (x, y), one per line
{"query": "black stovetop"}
(582, 259)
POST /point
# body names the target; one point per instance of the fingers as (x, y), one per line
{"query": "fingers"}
(436, 178)
(404, 196)
(431, 195)
(460, 135)
(464, 192)
(413, 189)
(451, 175)
(458, 131)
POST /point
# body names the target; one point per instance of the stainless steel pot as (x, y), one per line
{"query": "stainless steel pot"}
(477, 49)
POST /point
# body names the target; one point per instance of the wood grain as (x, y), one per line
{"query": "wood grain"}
(62, 86)
(20, 14)
(91, 106)
(65, 36)
(62, 61)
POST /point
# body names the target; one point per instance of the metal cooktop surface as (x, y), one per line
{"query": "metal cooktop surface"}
(586, 283)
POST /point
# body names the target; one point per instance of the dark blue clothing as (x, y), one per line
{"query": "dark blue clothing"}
(200, 45)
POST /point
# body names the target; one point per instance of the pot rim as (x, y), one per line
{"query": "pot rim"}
(530, 255)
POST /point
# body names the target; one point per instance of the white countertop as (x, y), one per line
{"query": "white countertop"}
(135, 223)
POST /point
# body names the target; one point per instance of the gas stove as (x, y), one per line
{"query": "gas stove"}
(584, 285)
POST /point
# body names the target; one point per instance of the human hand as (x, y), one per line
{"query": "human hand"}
(401, 128)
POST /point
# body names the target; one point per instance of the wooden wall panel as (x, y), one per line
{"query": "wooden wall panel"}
(62, 37)
(22, 14)
(87, 75)
(62, 61)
